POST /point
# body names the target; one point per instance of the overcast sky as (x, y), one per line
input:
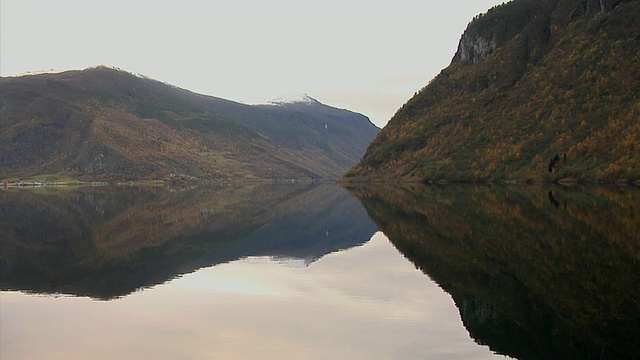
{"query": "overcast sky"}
(366, 56)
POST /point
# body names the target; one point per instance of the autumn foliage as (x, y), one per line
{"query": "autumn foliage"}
(563, 79)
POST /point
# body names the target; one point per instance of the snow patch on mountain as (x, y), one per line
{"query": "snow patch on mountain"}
(287, 99)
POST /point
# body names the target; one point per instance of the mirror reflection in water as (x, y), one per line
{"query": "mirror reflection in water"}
(300, 270)
(536, 273)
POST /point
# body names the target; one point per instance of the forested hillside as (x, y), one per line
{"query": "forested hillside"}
(537, 91)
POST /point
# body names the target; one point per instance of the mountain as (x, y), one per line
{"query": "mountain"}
(106, 242)
(538, 91)
(292, 99)
(106, 124)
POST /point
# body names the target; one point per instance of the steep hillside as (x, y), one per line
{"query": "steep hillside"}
(103, 124)
(538, 90)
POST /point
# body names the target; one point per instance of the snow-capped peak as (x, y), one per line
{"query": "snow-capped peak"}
(288, 99)
(292, 99)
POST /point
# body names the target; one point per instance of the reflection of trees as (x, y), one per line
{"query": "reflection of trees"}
(530, 280)
(107, 242)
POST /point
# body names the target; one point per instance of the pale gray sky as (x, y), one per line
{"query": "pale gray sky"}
(366, 56)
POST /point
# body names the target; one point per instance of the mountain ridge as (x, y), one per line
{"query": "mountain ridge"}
(104, 123)
(287, 99)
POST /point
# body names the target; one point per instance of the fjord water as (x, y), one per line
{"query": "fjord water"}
(310, 271)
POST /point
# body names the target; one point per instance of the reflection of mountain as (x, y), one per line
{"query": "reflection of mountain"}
(535, 274)
(107, 242)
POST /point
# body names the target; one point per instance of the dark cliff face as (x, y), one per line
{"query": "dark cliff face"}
(492, 30)
(103, 123)
(535, 19)
(530, 80)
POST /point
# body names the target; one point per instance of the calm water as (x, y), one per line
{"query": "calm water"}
(313, 271)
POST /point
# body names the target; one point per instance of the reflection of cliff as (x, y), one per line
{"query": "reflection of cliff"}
(106, 242)
(533, 278)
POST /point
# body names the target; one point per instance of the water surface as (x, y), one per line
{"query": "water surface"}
(310, 271)
(537, 272)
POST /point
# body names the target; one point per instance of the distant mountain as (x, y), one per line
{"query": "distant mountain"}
(538, 90)
(106, 124)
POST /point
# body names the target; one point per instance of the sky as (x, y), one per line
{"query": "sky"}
(363, 55)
